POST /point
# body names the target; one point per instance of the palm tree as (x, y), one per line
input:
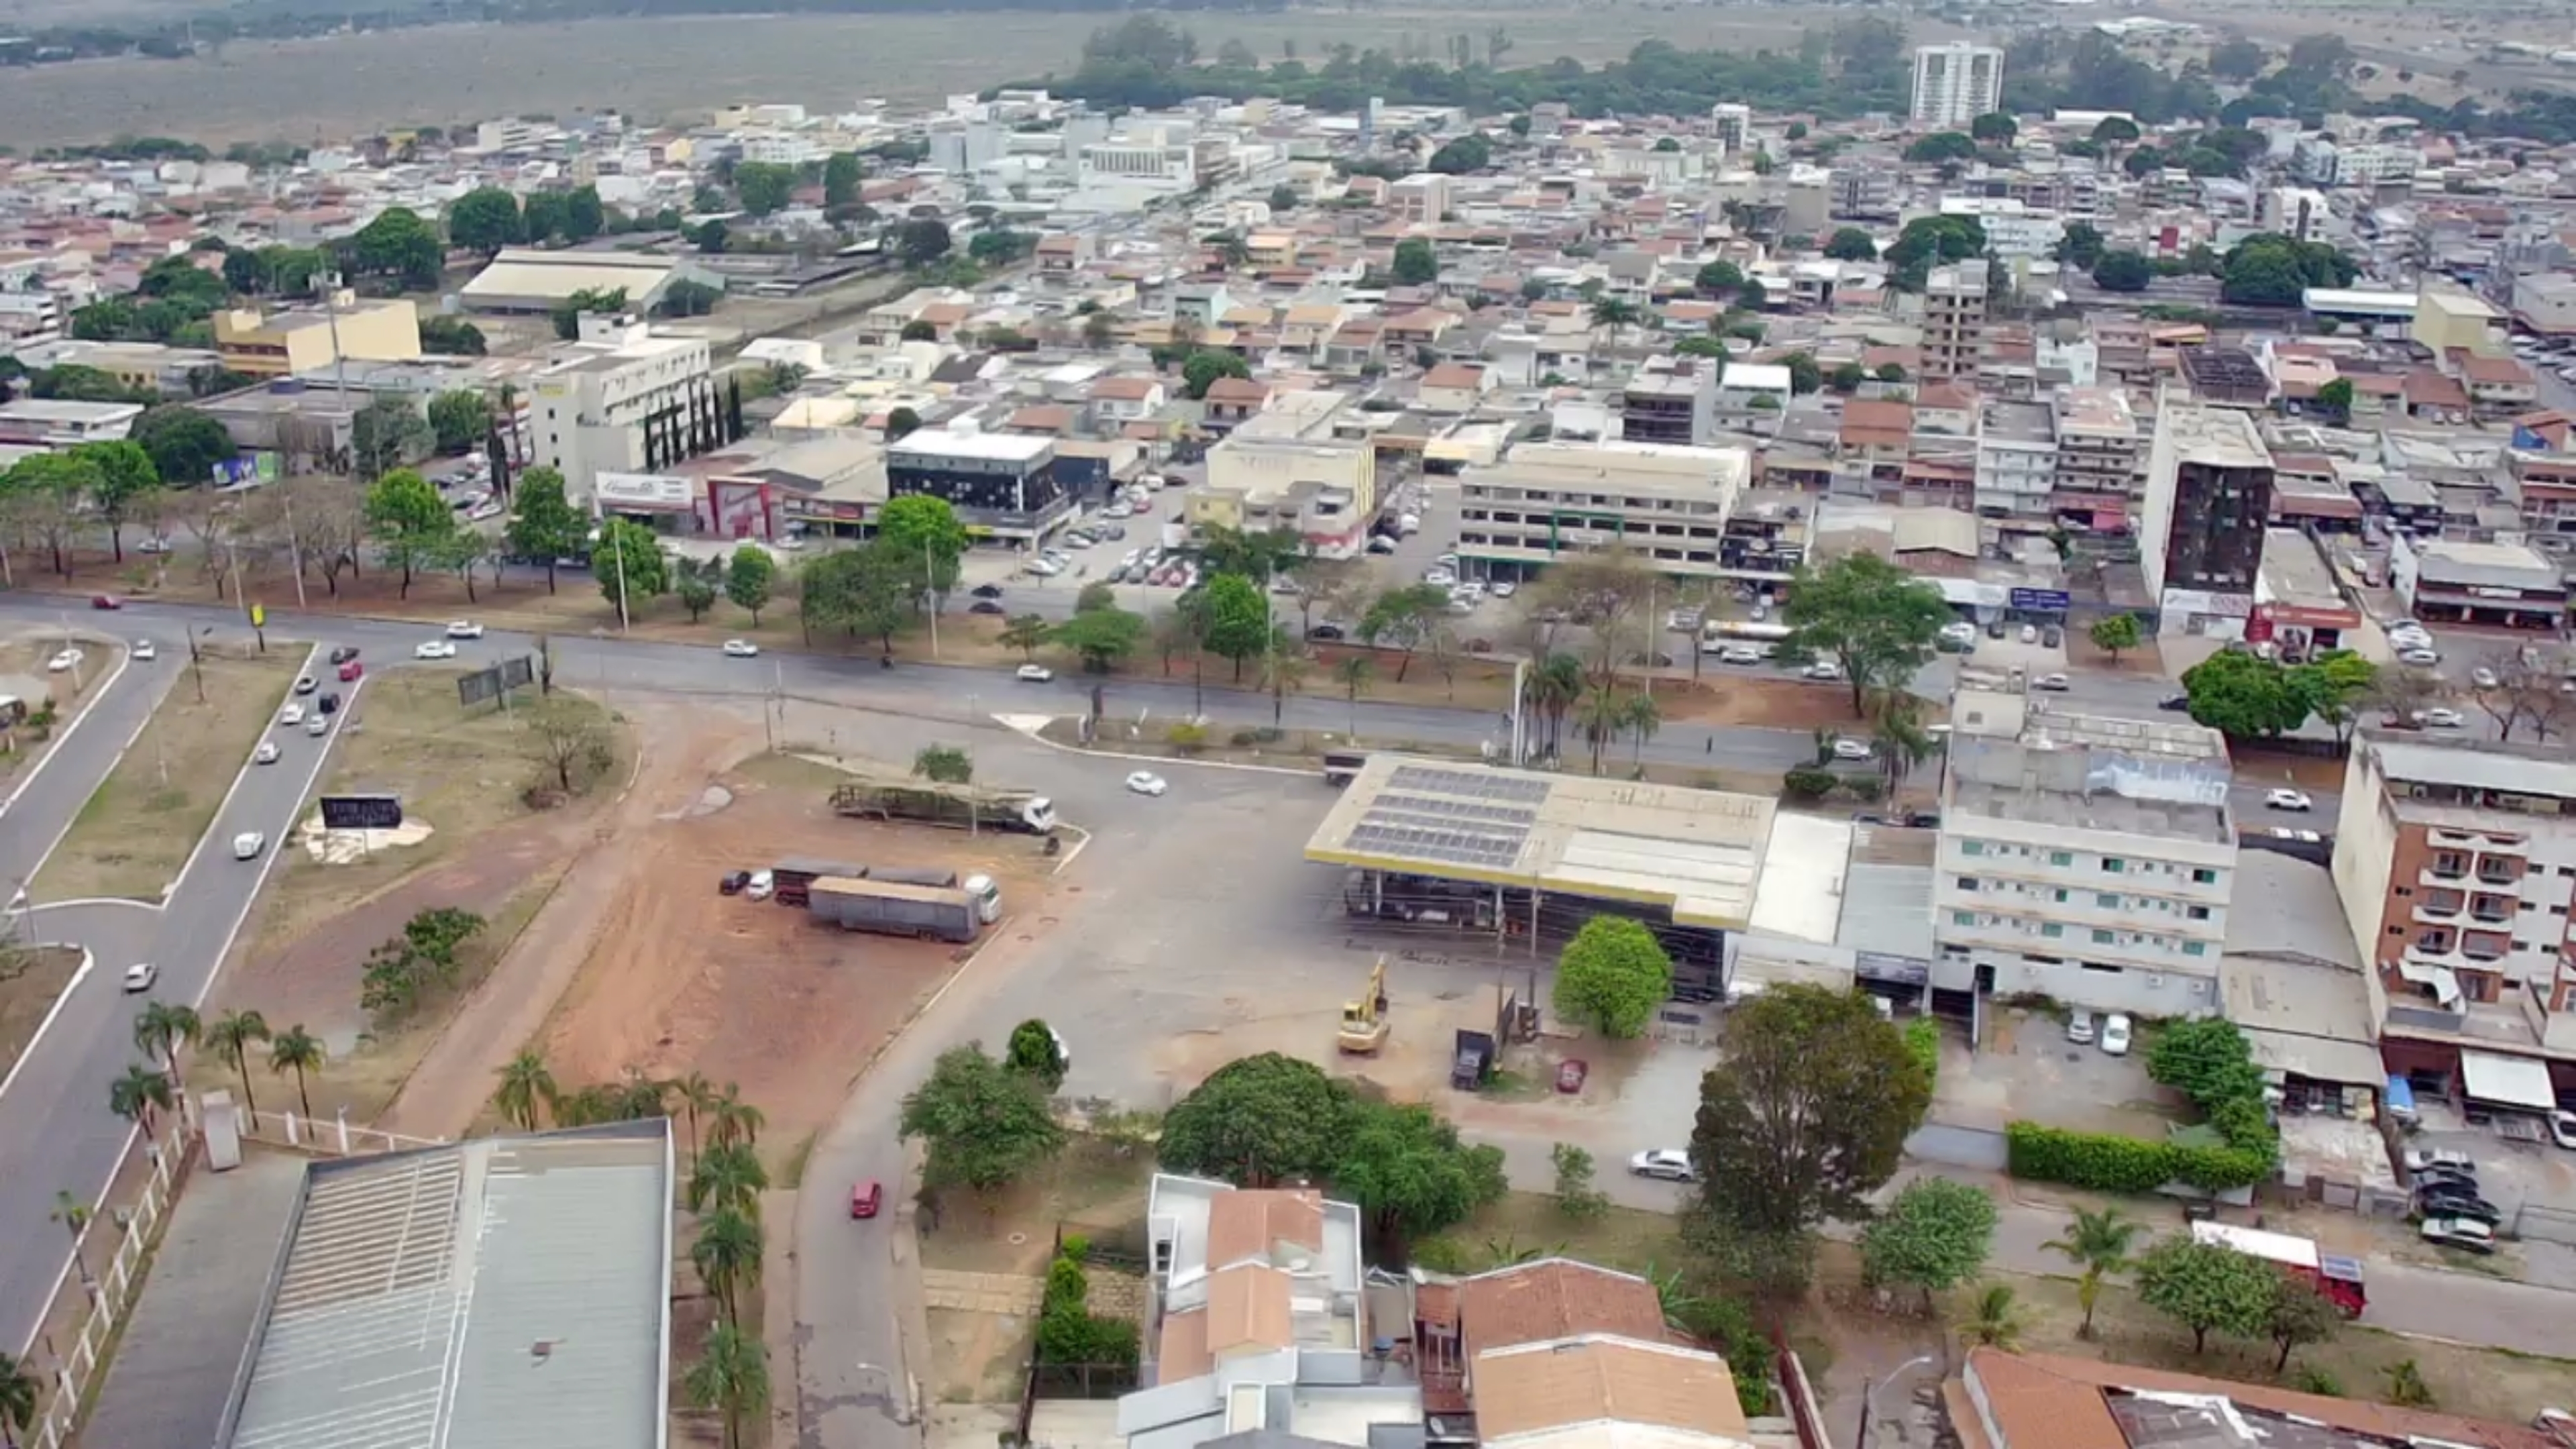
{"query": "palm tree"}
(161, 1028)
(74, 1215)
(1554, 686)
(697, 1094)
(135, 1095)
(1996, 1321)
(299, 1051)
(640, 1096)
(17, 1400)
(1613, 313)
(727, 1253)
(1601, 715)
(731, 1376)
(526, 1086)
(231, 1037)
(1902, 741)
(1355, 672)
(2099, 1243)
(728, 1176)
(1641, 719)
(1283, 671)
(736, 1122)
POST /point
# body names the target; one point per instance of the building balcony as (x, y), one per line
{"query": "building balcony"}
(2437, 875)
(2443, 911)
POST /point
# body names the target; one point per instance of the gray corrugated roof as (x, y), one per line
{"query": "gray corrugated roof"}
(499, 1292)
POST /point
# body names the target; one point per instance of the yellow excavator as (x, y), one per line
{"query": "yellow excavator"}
(1364, 1024)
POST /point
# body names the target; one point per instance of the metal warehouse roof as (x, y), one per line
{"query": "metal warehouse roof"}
(500, 1292)
(521, 274)
(1698, 853)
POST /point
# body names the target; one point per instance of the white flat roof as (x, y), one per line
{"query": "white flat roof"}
(1003, 447)
(1758, 376)
(2512, 1081)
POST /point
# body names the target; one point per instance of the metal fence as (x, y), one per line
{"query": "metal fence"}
(71, 1378)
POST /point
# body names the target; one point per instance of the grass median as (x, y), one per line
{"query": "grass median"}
(135, 835)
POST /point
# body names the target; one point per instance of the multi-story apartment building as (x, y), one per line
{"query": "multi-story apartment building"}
(605, 403)
(1421, 199)
(1292, 466)
(2200, 526)
(2016, 461)
(2097, 446)
(1667, 504)
(1671, 400)
(1731, 122)
(1954, 84)
(30, 316)
(2086, 859)
(2456, 863)
(296, 340)
(1954, 319)
(2547, 483)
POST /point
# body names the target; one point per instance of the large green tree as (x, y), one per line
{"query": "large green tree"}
(1806, 1112)
(1406, 1168)
(127, 482)
(924, 531)
(750, 578)
(1878, 622)
(185, 444)
(1934, 1235)
(1238, 621)
(1101, 637)
(1612, 976)
(409, 523)
(459, 418)
(1203, 367)
(1258, 1121)
(544, 526)
(1404, 618)
(484, 220)
(2122, 271)
(629, 563)
(1035, 1054)
(2203, 1286)
(388, 433)
(841, 176)
(984, 1124)
(400, 246)
(763, 186)
(1416, 264)
(1851, 244)
(2245, 697)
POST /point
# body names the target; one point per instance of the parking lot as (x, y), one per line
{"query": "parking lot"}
(2028, 1069)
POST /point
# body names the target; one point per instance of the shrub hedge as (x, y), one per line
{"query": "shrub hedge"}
(1923, 1039)
(2108, 1162)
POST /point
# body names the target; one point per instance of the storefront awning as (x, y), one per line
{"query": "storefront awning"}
(2506, 1081)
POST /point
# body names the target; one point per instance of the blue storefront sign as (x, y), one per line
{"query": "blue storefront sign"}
(2040, 601)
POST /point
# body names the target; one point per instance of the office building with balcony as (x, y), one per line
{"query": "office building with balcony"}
(1667, 505)
(1671, 400)
(2016, 462)
(2087, 859)
(1001, 485)
(2200, 525)
(2097, 454)
(2455, 861)
(616, 400)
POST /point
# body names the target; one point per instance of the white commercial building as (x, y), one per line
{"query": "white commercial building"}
(1956, 83)
(2016, 459)
(1666, 503)
(2013, 231)
(600, 405)
(2085, 859)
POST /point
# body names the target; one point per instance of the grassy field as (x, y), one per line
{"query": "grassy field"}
(311, 90)
(459, 771)
(137, 831)
(31, 979)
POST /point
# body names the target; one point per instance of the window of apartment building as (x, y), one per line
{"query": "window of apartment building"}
(2204, 876)
(2052, 930)
(2198, 913)
(2195, 948)
(2105, 967)
(2450, 863)
(2114, 864)
(2104, 938)
(1963, 918)
(1972, 847)
(2107, 900)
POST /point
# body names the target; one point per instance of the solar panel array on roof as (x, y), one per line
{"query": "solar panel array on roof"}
(1450, 847)
(1466, 783)
(1452, 810)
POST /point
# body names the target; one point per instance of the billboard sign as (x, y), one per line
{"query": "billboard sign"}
(479, 687)
(644, 493)
(2041, 601)
(518, 673)
(362, 812)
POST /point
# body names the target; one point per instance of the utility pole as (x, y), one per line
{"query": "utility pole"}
(930, 594)
(196, 662)
(617, 550)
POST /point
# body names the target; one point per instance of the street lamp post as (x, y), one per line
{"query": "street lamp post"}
(1868, 1389)
(196, 661)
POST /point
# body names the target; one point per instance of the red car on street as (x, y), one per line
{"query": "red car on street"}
(106, 601)
(866, 1198)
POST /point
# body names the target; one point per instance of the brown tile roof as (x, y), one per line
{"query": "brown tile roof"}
(1043, 418)
(1872, 422)
(2502, 370)
(1951, 396)
(1554, 1298)
(1125, 389)
(2053, 1402)
(2427, 388)
(1252, 1222)
(1247, 1308)
(1600, 1379)
(1454, 374)
(1236, 390)
(1182, 1352)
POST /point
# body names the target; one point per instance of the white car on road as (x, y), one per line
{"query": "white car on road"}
(1145, 782)
(266, 754)
(1669, 1163)
(144, 650)
(464, 629)
(2115, 1033)
(140, 976)
(1823, 669)
(434, 649)
(64, 662)
(741, 649)
(1851, 749)
(2288, 800)
(293, 714)
(248, 845)
(2438, 719)
(1034, 674)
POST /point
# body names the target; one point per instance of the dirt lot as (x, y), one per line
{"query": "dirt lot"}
(136, 833)
(22, 673)
(31, 980)
(681, 979)
(461, 773)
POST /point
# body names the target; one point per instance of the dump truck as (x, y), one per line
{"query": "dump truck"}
(1364, 1023)
(959, 807)
(797, 874)
(929, 912)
